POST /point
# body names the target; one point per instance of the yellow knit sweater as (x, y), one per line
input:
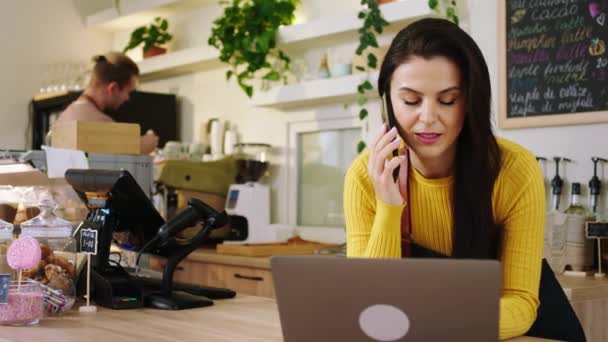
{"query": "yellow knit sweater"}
(518, 204)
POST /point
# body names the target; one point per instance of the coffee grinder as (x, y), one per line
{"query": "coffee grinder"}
(248, 201)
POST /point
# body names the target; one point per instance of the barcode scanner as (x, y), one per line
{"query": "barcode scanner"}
(196, 212)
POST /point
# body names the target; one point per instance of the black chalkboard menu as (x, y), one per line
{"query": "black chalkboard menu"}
(555, 61)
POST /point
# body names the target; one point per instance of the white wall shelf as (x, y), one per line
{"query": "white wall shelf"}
(322, 91)
(179, 62)
(199, 58)
(135, 13)
(394, 13)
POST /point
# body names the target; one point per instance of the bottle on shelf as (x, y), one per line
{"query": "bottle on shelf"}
(579, 249)
(324, 67)
(595, 188)
(576, 205)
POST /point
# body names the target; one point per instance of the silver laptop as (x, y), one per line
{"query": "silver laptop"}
(323, 298)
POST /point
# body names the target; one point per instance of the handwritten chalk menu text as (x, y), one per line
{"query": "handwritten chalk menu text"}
(556, 57)
(88, 241)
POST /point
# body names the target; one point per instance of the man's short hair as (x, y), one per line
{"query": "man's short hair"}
(113, 67)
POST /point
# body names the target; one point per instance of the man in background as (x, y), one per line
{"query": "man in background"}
(113, 79)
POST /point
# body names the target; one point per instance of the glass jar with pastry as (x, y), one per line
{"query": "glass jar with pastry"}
(57, 269)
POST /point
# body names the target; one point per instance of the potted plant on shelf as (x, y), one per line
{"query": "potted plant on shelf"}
(152, 36)
(246, 35)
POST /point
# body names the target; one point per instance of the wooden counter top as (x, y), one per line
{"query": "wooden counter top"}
(244, 318)
(584, 288)
(576, 288)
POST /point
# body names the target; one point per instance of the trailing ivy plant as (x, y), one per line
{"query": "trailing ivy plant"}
(373, 23)
(246, 35)
(450, 9)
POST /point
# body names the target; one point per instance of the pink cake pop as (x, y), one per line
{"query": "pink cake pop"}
(24, 253)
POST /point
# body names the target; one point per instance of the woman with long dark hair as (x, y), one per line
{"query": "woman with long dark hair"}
(453, 187)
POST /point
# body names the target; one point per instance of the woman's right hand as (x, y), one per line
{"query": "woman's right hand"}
(380, 169)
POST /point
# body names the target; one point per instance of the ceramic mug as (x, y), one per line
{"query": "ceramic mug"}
(172, 150)
(341, 69)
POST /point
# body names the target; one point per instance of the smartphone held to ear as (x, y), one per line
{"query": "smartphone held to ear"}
(389, 116)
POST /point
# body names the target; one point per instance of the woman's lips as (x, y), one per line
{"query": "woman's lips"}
(427, 138)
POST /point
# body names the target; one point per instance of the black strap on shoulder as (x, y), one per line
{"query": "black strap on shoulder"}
(555, 318)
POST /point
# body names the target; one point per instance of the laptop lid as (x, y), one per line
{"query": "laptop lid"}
(325, 298)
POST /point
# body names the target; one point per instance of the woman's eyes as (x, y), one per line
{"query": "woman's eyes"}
(446, 102)
(411, 103)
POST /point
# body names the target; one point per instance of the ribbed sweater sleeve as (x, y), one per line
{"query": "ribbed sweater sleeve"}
(521, 202)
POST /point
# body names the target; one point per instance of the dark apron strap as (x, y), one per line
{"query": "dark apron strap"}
(406, 232)
(555, 319)
(406, 225)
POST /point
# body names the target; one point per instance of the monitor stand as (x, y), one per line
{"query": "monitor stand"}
(113, 288)
(175, 301)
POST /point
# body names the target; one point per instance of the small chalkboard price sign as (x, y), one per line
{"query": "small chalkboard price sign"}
(5, 280)
(598, 231)
(553, 62)
(88, 246)
(88, 241)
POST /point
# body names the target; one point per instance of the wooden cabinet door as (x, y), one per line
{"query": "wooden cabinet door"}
(246, 280)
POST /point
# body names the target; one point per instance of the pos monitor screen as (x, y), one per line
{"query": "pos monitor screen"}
(133, 219)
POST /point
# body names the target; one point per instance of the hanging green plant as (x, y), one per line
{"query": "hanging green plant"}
(450, 9)
(373, 23)
(246, 35)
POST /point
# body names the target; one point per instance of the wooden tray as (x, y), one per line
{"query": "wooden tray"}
(260, 250)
